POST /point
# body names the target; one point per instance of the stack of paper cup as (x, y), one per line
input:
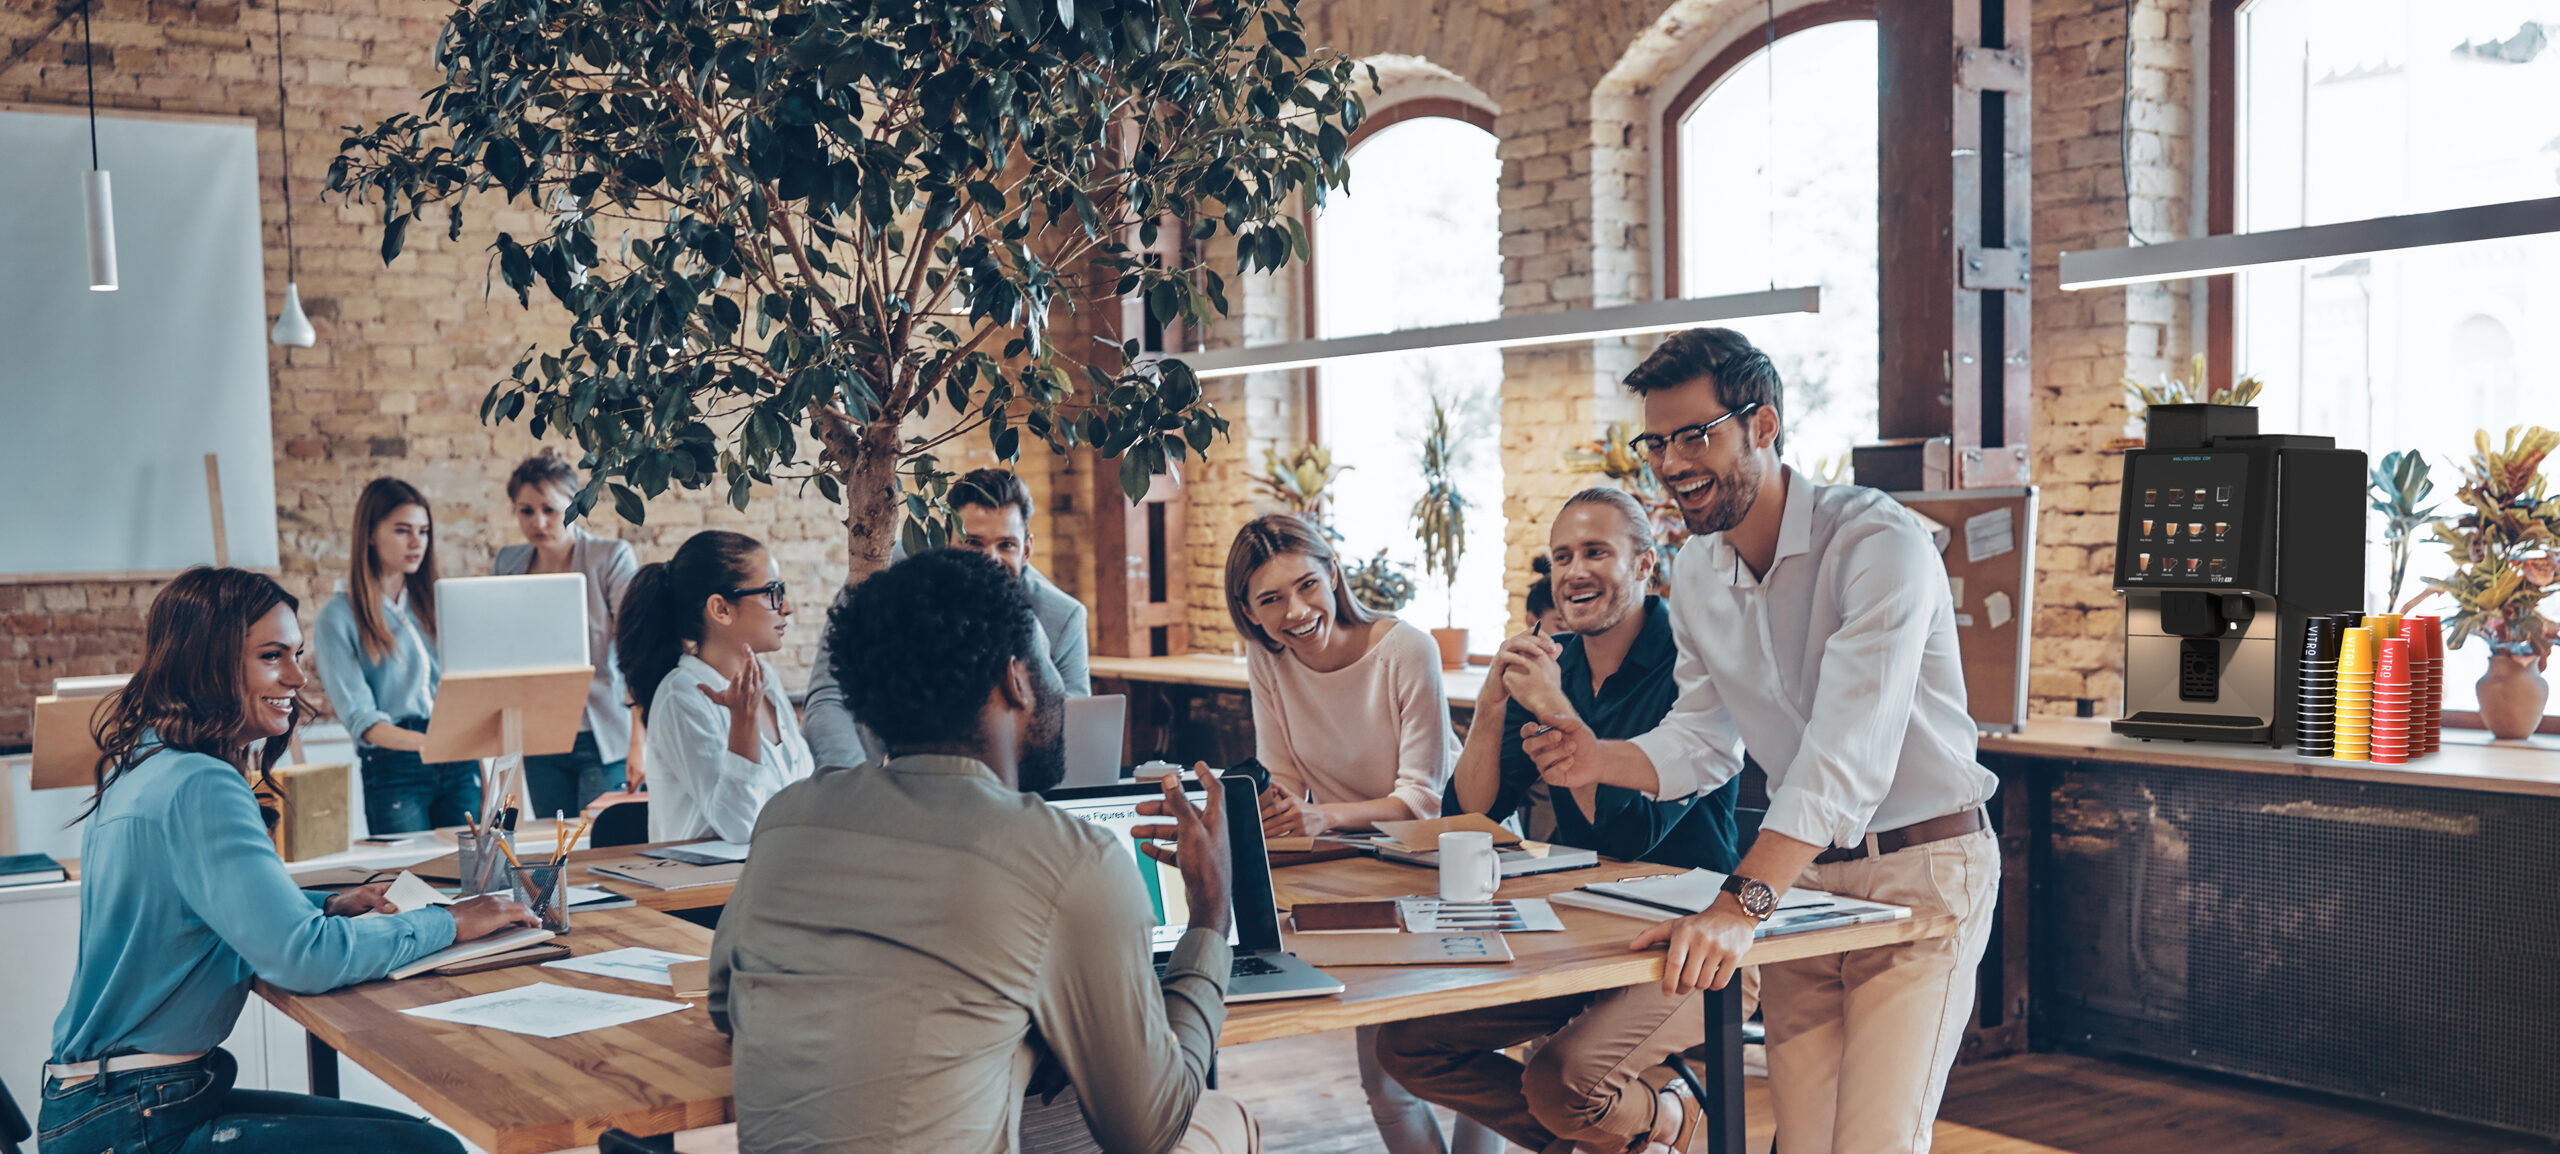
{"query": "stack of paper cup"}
(2315, 691)
(2426, 683)
(2391, 702)
(2385, 626)
(2354, 738)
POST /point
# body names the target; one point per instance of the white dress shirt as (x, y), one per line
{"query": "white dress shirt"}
(1838, 671)
(697, 788)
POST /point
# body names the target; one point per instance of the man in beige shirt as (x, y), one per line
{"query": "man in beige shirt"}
(911, 941)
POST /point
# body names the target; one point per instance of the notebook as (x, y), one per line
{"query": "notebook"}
(671, 875)
(515, 939)
(1346, 918)
(1423, 836)
(28, 869)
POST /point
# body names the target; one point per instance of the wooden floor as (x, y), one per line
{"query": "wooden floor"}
(1308, 1099)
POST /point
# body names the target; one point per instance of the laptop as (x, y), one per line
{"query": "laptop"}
(498, 624)
(1095, 726)
(1263, 971)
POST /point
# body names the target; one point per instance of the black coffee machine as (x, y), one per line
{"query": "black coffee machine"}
(2227, 541)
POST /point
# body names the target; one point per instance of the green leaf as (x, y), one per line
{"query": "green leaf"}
(1135, 478)
(629, 505)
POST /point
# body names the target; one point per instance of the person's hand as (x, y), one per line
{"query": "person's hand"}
(1531, 676)
(744, 699)
(487, 914)
(1200, 848)
(1497, 691)
(362, 899)
(1563, 748)
(384, 735)
(1286, 816)
(1705, 949)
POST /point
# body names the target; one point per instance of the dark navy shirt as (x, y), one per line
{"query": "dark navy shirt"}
(1689, 832)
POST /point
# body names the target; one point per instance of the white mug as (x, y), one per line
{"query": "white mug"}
(1470, 870)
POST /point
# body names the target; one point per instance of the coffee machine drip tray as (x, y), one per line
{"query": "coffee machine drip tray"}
(2196, 727)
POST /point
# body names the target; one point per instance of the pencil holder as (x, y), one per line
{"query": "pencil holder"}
(483, 861)
(542, 889)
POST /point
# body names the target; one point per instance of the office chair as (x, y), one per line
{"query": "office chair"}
(622, 823)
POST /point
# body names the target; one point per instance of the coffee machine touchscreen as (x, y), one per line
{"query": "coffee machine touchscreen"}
(2187, 523)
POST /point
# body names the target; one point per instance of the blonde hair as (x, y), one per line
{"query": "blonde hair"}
(1269, 536)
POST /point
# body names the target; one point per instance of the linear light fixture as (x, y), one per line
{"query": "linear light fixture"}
(2217, 255)
(1509, 332)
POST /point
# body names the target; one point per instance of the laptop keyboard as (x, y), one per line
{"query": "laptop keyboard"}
(1244, 967)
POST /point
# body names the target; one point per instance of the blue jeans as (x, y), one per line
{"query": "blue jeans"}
(403, 794)
(566, 782)
(191, 1109)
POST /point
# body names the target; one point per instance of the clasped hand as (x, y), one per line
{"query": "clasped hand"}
(1702, 950)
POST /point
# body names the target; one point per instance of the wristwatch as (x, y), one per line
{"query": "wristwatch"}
(1757, 899)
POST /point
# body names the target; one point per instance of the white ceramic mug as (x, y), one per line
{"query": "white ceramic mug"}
(1470, 870)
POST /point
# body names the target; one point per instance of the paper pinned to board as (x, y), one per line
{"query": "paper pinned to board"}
(1955, 589)
(1995, 606)
(1989, 534)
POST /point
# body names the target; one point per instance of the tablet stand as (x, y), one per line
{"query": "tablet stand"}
(506, 715)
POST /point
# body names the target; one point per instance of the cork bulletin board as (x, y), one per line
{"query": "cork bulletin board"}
(1989, 545)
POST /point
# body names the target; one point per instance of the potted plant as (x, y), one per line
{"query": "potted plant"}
(779, 232)
(2503, 555)
(1440, 524)
(1610, 457)
(1382, 585)
(2185, 410)
(2398, 487)
(1302, 482)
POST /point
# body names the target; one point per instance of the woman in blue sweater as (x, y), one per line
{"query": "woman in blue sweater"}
(183, 901)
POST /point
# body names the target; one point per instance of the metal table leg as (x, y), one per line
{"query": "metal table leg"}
(1723, 1099)
(324, 1066)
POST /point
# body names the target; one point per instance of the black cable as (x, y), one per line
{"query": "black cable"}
(2124, 128)
(284, 148)
(89, 58)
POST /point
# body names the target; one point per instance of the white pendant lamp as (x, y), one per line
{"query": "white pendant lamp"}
(96, 194)
(1509, 332)
(293, 329)
(2238, 252)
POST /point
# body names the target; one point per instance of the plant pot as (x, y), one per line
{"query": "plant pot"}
(2512, 695)
(1453, 647)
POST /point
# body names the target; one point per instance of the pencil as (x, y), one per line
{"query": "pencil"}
(582, 832)
(510, 851)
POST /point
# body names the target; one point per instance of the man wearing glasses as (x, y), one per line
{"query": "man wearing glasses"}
(1815, 629)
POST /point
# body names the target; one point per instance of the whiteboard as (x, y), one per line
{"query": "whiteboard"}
(112, 399)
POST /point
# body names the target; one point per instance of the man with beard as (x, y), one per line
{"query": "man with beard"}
(911, 940)
(1815, 629)
(1613, 672)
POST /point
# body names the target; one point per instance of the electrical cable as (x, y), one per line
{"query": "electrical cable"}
(89, 59)
(284, 149)
(2124, 129)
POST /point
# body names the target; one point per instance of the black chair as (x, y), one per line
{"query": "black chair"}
(13, 1125)
(622, 823)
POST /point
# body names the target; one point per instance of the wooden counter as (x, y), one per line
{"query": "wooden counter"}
(2470, 759)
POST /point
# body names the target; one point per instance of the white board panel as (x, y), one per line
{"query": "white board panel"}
(110, 400)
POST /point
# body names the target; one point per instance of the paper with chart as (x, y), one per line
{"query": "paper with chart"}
(631, 964)
(544, 1010)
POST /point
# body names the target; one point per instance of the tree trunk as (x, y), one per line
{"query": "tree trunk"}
(867, 458)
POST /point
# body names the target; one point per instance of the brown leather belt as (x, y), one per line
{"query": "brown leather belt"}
(1918, 833)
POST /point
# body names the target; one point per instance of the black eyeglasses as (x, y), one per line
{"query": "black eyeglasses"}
(774, 593)
(1655, 445)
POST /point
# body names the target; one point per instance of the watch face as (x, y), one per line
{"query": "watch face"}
(1758, 899)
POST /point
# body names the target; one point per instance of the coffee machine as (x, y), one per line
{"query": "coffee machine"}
(2226, 542)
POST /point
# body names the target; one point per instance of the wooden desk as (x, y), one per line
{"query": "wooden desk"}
(517, 1094)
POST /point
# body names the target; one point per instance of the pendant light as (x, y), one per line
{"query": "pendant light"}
(98, 197)
(293, 329)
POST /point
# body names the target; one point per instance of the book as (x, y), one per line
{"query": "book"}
(544, 952)
(515, 939)
(1481, 949)
(1345, 918)
(1533, 857)
(1423, 836)
(700, 853)
(31, 869)
(659, 873)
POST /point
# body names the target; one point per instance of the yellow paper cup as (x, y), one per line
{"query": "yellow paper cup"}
(2355, 652)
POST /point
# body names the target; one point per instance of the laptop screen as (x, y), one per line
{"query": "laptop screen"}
(1162, 883)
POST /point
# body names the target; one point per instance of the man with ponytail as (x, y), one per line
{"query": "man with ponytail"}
(691, 639)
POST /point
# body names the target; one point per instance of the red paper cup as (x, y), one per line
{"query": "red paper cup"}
(2391, 664)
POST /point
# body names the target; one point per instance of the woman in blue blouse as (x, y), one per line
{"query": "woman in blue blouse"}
(183, 901)
(377, 648)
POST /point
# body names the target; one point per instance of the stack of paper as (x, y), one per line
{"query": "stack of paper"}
(1664, 896)
(546, 1011)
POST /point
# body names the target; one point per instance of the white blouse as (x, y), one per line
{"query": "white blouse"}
(697, 788)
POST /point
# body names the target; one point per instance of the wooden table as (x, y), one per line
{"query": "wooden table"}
(517, 1094)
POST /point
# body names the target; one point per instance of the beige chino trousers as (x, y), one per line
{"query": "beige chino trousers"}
(1220, 1125)
(1860, 1043)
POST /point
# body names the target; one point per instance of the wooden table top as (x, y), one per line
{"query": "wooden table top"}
(1218, 671)
(1589, 954)
(517, 1094)
(2470, 759)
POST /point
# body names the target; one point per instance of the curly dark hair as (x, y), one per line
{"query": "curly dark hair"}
(919, 645)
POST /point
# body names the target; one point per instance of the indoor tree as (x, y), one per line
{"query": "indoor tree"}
(770, 220)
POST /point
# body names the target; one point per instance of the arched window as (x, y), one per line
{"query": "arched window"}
(1416, 241)
(2348, 109)
(1771, 182)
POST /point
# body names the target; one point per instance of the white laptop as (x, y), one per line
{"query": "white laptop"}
(494, 624)
(1095, 727)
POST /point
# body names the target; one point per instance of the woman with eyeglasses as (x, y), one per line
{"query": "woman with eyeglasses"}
(691, 637)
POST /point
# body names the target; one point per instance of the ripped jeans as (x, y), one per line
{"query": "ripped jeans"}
(191, 1108)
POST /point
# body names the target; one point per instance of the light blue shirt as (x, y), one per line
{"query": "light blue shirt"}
(363, 690)
(183, 901)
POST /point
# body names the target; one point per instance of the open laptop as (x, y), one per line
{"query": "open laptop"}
(1263, 971)
(496, 624)
(1095, 727)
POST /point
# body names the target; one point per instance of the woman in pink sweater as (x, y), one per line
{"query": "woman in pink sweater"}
(1350, 719)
